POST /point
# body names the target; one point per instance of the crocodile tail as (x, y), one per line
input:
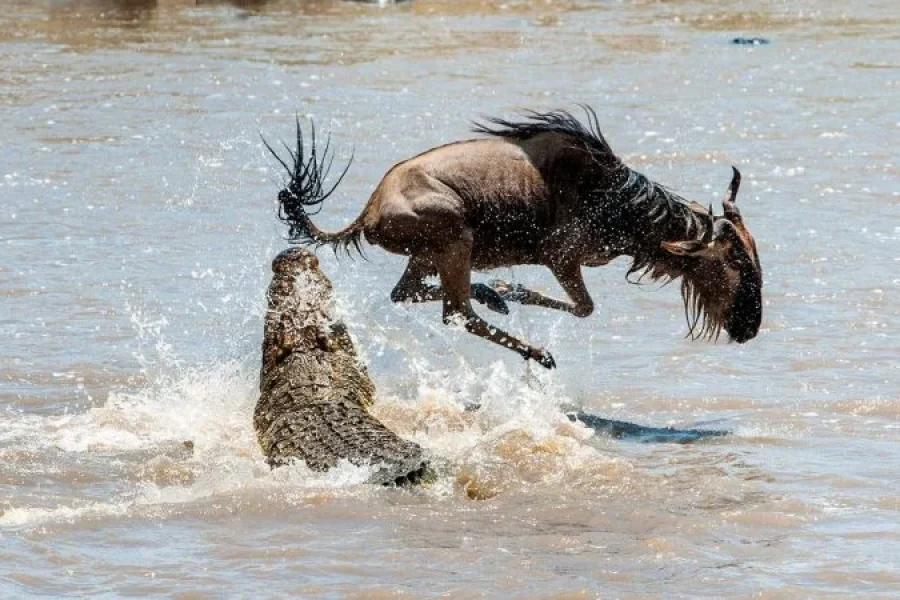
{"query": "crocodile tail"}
(306, 191)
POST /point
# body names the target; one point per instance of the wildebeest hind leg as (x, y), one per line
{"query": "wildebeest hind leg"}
(516, 292)
(569, 278)
(413, 287)
(454, 268)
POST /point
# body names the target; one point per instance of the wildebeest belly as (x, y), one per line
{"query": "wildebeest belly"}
(507, 231)
(507, 243)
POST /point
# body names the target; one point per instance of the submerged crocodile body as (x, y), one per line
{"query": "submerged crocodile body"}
(314, 392)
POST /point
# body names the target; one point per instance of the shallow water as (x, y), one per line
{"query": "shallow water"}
(137, 225)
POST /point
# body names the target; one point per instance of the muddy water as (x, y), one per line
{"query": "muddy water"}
(137, 224)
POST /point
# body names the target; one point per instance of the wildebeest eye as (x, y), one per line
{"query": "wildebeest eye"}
(734, 262)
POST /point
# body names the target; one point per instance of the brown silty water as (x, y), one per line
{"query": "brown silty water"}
(137, 229)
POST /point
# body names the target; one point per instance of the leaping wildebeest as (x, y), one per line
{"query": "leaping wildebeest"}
(546, 190)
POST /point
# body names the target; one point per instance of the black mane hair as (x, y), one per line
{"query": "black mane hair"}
(557, 121)
(657, 214)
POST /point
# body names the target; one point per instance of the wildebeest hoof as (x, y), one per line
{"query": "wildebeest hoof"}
(490, 298)
(545, 359)
(540, 356)
(514, 292)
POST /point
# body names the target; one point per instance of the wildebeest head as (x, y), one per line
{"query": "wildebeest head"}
(722, 278)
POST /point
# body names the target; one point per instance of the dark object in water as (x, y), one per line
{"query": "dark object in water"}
(314, 392)
(623, 430)
(750, 41)
(547, 190)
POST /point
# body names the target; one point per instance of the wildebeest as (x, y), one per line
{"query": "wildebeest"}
(546, 190)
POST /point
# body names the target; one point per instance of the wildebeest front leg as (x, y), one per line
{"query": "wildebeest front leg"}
(413, 287)
(454, 268)
(572, 282)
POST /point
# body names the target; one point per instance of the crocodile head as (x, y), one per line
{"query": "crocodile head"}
(300, 316)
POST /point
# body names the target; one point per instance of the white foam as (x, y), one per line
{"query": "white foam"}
(212, 406)
(20, 517)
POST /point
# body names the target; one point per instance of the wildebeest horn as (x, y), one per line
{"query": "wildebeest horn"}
(729, 204)
(710, 225)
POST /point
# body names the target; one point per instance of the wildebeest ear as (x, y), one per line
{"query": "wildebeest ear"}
(688, 248)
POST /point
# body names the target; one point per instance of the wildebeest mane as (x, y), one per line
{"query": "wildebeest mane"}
(556, 121)
(657, 214)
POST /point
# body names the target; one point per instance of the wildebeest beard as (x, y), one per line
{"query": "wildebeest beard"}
(706, 303)
(704, 306)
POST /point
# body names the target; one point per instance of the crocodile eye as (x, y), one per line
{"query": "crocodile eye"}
(324, 342)
(310, 262)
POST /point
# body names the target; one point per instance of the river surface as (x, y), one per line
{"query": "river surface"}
(137, 224)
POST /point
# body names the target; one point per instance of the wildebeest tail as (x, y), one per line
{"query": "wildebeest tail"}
(306, 191)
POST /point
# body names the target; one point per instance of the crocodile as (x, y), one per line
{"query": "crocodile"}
(314, 391)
